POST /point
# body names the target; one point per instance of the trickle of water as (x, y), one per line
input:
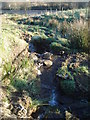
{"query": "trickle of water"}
(53, 100)
(40, 116)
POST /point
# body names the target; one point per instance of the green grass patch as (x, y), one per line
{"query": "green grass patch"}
(57, 47)
(68, 86)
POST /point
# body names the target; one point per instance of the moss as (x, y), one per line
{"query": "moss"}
(19, 84)
(64, 42)
(57, 47)
(68, 86)
(50, 40)
(41, 42)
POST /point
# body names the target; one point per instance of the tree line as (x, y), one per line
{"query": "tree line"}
(42, 6)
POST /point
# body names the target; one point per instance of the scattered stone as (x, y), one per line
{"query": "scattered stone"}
(10, 107)
(48, 63)
(6, 104)
(38, 72)
(34, 57)
(73, 65)
(5, 112)
(13, 116)
(6, 82)
(63, 77)
(25, 101)
(66, 76)
(62, 53)
(39, 65)
(30, 111)
(2, 94)
(40, 61)
(76, 65)
(47, 55)
(68, 115)
(39, 55)
(22, 113)
(21, 106)
(59, 75)
(19, 110)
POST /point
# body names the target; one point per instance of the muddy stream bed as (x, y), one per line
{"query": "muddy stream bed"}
(57, 105)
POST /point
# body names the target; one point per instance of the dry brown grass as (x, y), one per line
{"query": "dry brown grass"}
(53, 23)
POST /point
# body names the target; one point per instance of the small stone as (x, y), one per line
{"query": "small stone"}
(68, 115)
(76, 65)
(62, 53)
(40, 61)
(13, 116)
(7, 81)
(5, 112)
(59, 75)
(10, 107)
(66, 76)
(39, 72)
(47, 55)
(48, 63)
(34, 57)
(6, 105)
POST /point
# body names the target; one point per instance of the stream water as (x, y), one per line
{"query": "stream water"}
(53, 101)
(28, 12)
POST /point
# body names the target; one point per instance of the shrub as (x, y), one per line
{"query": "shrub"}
(64, 29)
(53, 23)
(77, 33)
(79, 39)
